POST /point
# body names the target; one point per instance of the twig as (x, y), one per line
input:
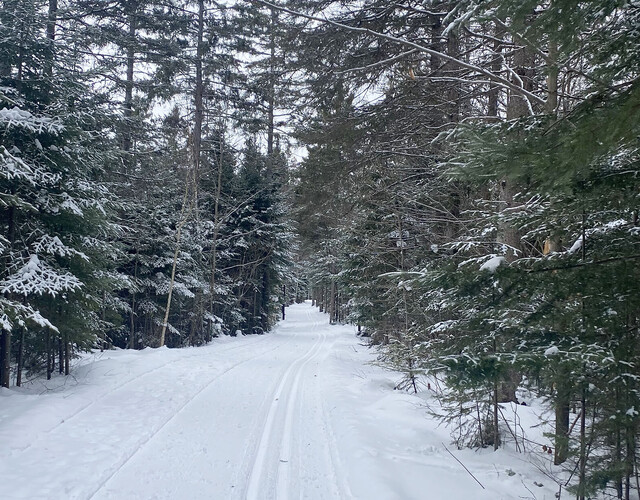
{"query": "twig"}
(513, 433)
(465, 467)
(584, 264)
(526, 487)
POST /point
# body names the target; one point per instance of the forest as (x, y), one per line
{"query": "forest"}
(456, 178)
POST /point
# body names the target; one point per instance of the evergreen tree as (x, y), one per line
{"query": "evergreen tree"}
(55, 203)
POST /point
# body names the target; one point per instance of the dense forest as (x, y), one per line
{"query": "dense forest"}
(458, 178)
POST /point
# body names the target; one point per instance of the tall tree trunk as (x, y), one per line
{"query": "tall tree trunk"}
(272, 85)
(508, 234)
(127, 137)
(67, 355)
(496, 67)
(190, 193)
(198, 94)
(5, 354)
(216, 227)
(132, 314)
(49, 356)
(5, 337)
(52, 18)
(19, 361)
(496, 422)
(582, 462)
(332, 302)
(60, 356)
(552, 80)
(562, 401)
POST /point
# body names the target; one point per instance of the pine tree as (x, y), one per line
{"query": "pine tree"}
(55, 203)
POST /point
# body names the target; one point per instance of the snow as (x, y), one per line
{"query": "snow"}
(16, 117)
(552, 351)
(35, 277)
(577, 245)
(297, 413)
(492, 264)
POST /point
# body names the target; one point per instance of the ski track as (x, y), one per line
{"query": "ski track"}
(256, 489)
(126, 383)
(331, 445)
(285, 461)
(145, 441)
(288, 451)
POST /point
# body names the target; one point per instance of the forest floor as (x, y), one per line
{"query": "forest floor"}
(296, 413)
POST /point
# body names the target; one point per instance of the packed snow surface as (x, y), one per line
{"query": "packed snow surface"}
(297, 413)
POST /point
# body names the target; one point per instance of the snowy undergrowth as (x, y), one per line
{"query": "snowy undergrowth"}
(411, 450)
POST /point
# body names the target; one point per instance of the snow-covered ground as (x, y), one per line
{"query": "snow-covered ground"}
(297, 413)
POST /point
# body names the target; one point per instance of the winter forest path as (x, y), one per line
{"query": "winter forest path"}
(241, 420)
(293, 414)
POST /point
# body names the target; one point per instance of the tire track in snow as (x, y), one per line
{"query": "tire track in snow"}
(257, 470)
(126, 383)
(148, 438)
(249, 453)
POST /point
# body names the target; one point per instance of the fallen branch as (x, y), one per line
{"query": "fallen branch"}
(465, 467)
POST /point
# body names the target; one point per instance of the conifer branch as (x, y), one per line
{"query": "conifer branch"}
(421, 48)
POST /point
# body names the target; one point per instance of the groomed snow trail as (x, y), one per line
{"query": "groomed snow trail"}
(294, 414)
(219, 422)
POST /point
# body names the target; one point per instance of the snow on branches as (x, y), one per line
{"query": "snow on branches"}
(36, 278)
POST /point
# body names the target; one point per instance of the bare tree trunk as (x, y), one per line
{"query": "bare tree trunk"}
(198, 93)
(508, 234)
(49, 356)
(20, 358)
(216, 227)
(67, 355)
(132, 315)
(190, 193)
(51, 35)
(583, 448)
(172, 280)
(618, 456)
(496, 67)
(496, 429)
(332, 302)
(552, 77)
(103, 318)
(60, 356)
(5, 353)
(562, 402)
(5, 338)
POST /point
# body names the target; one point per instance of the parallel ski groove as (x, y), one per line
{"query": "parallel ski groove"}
(284, 464)
(148, 438)
(257, 470)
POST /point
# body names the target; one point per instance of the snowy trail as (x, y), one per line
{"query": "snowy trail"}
(295, 414)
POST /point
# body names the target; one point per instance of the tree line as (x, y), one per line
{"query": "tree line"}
(470, 200)
(468, 195)
(144, 189)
